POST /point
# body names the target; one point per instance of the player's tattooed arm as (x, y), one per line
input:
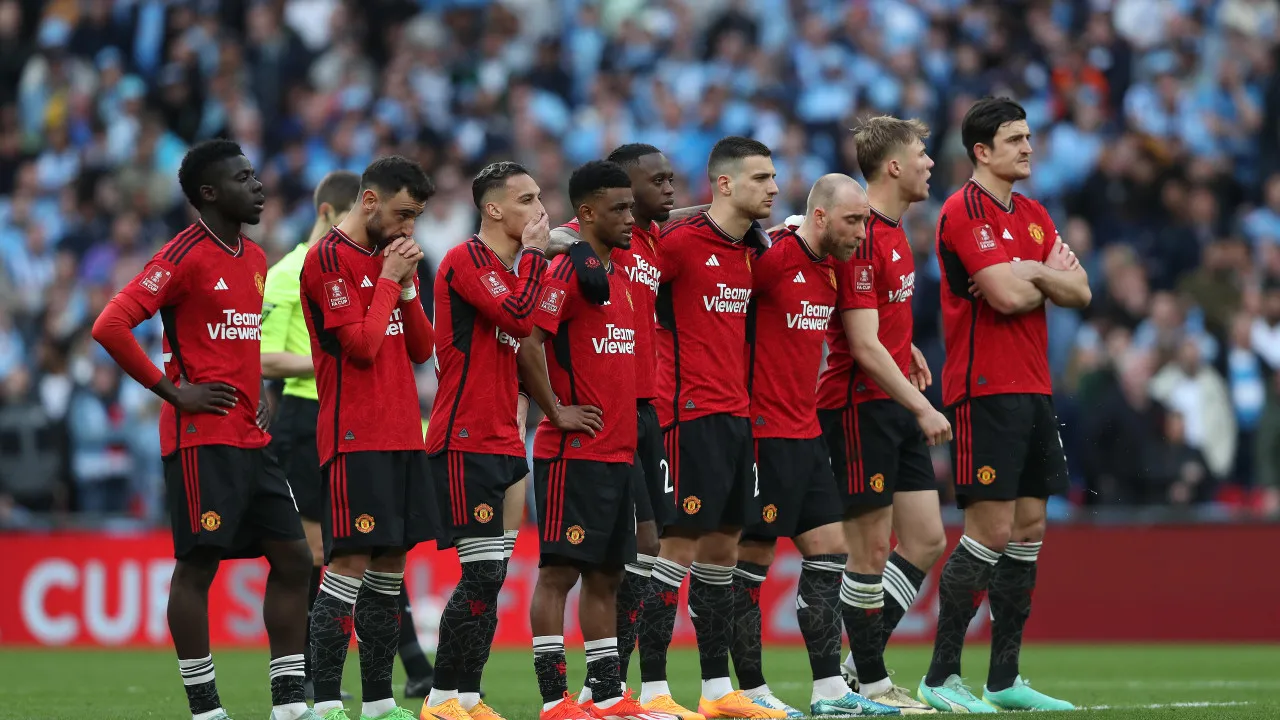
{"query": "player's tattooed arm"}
(684, 212)
(560, 240)
(531, 359)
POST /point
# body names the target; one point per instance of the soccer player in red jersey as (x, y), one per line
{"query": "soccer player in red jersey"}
(794, 295)
(227, 495)
(652, 186)
(702, 315)
(1007, 455)
(584, 456)
(359, 289)
(484, 308)
(876, 422)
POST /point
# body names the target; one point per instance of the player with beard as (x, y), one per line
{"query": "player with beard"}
(1001, 258)
(793, 296)
(227, 494)
(360, 298)
(652, 186)
(877, 423)
(484, 308)
(702, 406)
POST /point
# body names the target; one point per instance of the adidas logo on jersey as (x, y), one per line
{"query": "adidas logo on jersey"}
(1006, 234)
(349, 436)
(713, 261)
(365, 282)
(799, 277)
(464, 434)
(576, 443)
(896, 256)
(222, 285)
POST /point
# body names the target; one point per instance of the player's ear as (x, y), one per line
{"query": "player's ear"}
(724, 184)
(586, 213)
(369, 200)
(493, 211)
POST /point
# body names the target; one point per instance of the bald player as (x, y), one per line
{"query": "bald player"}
(794, 295)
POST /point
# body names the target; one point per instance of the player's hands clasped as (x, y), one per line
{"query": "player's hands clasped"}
(400, 260)
(935, 426)
(537, 233)
(578, 418)
(1061, 257)
(213, 398)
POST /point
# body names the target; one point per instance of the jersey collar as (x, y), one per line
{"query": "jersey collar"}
(885, 218)
(1007, 208)
(347, 239)
(233, 252)
(720, 231)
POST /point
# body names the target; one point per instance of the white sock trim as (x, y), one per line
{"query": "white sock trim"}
(469, 699)
(383, 583)
(1023, 551)
(643, 566)
(322, 708)
(197, 671)
(436, 697)
(343, 587)
(478, 549)
(716, 688)
(509, 543)
(669, 573)
(897, 586)
(289, 711)
(861, 595)
(712, 574)
(830, 688)
(548, 644)
(287, 665)
(600, 649)
(978, 550)
(652, 689)
(377, 708)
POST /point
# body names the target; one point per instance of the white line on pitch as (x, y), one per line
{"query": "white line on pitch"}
(1163, 706)
(1164, 684)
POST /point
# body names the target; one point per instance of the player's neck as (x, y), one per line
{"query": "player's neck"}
(999, 188)
(319, 230)
(226, 231)
(601, 250)
(806, 232)
(727, 217)
(502, 245)
(352, 227)
(886, 200)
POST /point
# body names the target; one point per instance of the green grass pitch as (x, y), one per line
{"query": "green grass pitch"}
(1154, 681)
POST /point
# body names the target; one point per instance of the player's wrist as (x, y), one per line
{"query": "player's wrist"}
(408, 292)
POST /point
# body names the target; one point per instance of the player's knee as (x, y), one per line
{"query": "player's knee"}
(349, 564)
(925, 546)
(291, 560)
(602, 581)
(647, 542)
(388, 560)
(718, 548)
(558, 575)
(196, 570)
(756, 550)
(679, 546)
(1029, 531)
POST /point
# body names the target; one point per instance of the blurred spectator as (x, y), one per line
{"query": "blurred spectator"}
(1196, 391)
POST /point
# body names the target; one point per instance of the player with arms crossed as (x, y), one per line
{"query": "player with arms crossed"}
(585, 449)
(1007, 454)
(484, 308)
(652, 186)
(702, 333)
(794, 294)
(360, 298)
(227, 495)
(877, 423)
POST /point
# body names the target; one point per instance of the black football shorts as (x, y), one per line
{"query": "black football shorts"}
(712, 472)
(470, 488)
(797, 490)
(379, 499)
(1007, 447)
(228, 498)
(293, 442)
(585, 513)
(654, 496)
(877, 449)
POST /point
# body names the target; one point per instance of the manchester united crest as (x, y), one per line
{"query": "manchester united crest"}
(1037, 233)
(575, 534)
(365, 523)
(211, 521)
(770, 513)
(259, 283)
(877, 482)
(986, 475)
(691, 505)
(483, 513)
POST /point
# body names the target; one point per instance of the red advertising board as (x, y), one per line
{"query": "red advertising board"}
(1095, 584)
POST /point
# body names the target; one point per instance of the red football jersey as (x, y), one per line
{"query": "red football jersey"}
(641, 266)
(591, 357)
(989, 353)
(483, 310)
(795, 294)
(881, 276)
(209, 297)
(702, 321)
(363, 406)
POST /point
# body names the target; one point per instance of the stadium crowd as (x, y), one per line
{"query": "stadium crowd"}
(1157, 142)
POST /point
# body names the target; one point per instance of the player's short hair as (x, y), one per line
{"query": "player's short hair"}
(823, 192)
(984, 119)
(879, 137)
(595, 177)
(492, 177)
(728, 154)
(193, 173)
(339, 189)
(630, 154)
(394, 173)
